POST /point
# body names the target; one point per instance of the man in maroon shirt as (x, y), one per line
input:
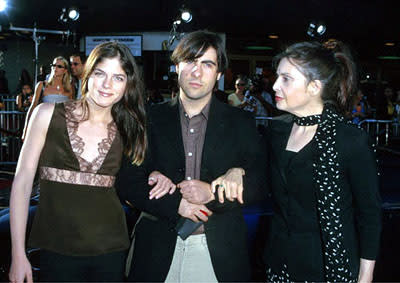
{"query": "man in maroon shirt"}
(194, 140)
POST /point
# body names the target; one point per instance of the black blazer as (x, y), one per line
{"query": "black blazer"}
(295, 237)
(231, 141)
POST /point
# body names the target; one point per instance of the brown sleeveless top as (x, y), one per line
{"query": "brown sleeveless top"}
(79, 212)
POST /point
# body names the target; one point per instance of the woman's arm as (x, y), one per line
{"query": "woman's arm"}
(19, 102)
(363, 177)
(35, 102)
(22, 189)
(366, 270)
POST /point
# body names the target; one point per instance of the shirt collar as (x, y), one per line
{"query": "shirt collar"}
(204, 112)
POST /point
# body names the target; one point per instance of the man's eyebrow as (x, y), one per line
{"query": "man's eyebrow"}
(209, 61)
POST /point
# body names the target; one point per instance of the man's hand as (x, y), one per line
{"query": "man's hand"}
(196, 212)
(196, 191)
(163, 185)
(231, 183)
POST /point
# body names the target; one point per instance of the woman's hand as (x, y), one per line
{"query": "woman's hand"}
(20, 270)
(366, 270)
(162, 185)
(231, 183)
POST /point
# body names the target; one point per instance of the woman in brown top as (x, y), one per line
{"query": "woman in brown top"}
(80, 225)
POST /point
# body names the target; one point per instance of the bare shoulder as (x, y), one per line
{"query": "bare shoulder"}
(42, 113)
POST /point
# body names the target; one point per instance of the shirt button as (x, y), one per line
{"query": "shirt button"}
(191, 131)
(190, 154)
(189, 178)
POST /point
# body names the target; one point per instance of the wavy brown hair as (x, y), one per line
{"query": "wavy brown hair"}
(129, 113)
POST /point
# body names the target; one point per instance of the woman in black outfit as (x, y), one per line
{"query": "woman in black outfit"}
(323, 176)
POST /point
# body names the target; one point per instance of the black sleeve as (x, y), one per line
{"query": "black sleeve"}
(131, 185)
(363, 175)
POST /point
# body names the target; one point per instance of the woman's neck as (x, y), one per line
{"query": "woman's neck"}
(57, 80)
(314, 109)
(99, 114)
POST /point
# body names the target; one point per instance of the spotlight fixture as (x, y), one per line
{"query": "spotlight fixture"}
(63, 17)
(3, 5)
(177, 22)
(316, 29)
(186, 15)
(73, 13)
(68, 16)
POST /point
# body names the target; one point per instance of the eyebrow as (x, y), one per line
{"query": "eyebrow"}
(98, 69)
(284, 74)
(209, 61)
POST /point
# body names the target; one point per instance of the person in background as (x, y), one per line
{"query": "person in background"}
(153, 93)
(77, 146)
(385, 105)
(77, 61)
(326, 223)
(58, 88)
(24, 79)
(24, 99)
(236, 98)
(360, 108)
(43, 73)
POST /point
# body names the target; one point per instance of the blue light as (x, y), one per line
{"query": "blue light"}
(3, 5)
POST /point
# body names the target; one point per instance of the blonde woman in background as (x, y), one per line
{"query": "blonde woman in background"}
(57, 88)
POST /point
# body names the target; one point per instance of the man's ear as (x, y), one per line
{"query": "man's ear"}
(315, 87)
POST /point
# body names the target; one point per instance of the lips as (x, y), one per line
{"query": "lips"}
(195, 84)
(105, 94)
(278, 98)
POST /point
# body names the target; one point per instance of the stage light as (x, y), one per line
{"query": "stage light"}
(316, 29)
(3, 5)
(186, 15)
(177, 22)
(73, 13)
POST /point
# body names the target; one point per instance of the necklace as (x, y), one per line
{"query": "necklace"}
(58, 87)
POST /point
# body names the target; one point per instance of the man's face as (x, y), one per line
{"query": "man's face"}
(76, 66)
(197, 78)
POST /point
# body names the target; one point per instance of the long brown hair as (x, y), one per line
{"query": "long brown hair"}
(129, 113)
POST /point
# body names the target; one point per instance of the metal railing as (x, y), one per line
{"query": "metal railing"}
(11, 126)
(381, 129)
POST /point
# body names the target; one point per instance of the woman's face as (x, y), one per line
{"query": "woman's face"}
(240, 85)
(291, 89)
(58, 67)
(107, 83)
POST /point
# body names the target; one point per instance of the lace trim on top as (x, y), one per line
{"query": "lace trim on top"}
(76, 178)
(78, 144)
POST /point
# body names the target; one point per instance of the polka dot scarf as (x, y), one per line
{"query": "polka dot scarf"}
(326, 175)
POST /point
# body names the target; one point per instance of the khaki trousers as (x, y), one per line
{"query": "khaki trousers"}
(191, 261)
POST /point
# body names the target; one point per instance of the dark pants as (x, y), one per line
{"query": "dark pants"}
(55, 267)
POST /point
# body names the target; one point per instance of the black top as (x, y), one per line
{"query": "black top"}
(295, 236)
